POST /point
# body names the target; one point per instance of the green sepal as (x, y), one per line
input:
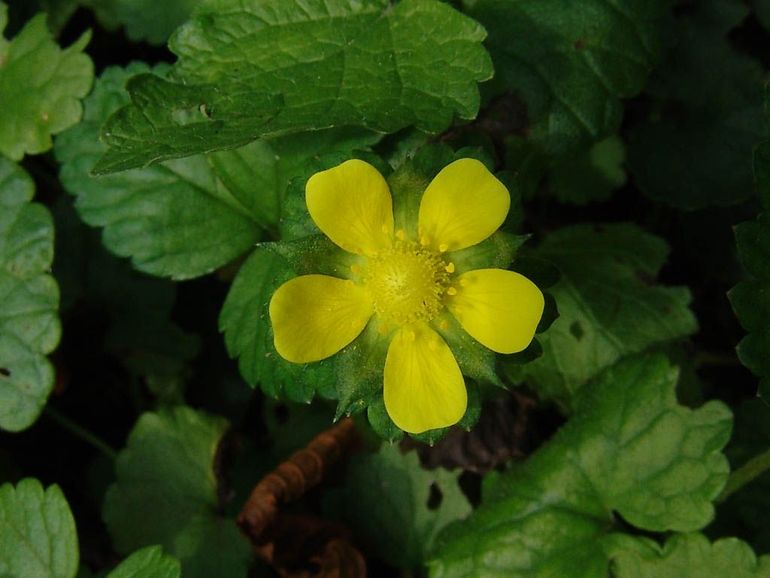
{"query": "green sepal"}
(495, 252)
(381, 423)
(409, 181)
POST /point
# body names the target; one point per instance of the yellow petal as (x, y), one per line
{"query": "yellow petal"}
(314, 316)
(424, 388)
(499, 309)
(351, 204)
(463, 205)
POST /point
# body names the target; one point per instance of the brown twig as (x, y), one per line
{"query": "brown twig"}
(291, 479)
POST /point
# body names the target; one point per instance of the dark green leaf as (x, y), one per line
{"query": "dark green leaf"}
(589, 175)
(144, 19)
(751, 299)
(609, 305)
(694, 150)
(166, 493)
(397, 508)
(341, 62)
(29, 321)
(571, 62)
(37, 532)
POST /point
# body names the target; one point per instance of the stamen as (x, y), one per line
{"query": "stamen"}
(451, 291)
(443, 248)
(406, 282)
(450, 268)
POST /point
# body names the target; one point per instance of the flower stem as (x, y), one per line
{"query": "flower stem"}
(82, 433)
(749, 471)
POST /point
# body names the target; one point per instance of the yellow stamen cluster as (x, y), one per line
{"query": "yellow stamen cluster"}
(407, 282)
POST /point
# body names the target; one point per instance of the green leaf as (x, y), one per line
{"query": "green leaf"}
(166, 493)
(694, 150)
(571, 62)
(397, 508)
(745, 512)
(40, 87)
(692, 556)
(750, 299)
(609, 305)
(589, 175)
(29, 322)
(149, 562)
(145, 20)
(269, 166)
(249, 336)
(629, 450)
(338, 63)
(38, 538)
(174, 219)
(187, 217)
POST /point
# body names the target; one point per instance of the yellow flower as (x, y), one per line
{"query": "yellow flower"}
(406, 281)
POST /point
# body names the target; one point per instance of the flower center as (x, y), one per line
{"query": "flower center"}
(407, 282)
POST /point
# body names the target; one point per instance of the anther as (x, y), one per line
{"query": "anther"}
(451, 291)
(464, 283)
(450, 268)
(443, 248)
(400, 235)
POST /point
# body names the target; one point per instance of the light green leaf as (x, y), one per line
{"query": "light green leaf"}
(571, 62)
(339, 63)
(692, 556)
(629, 449)
(589, 175)
(166, 493)
(609, 305)
(174, 219)
(40, 87)
(38, 538)
(397, 508)
(269, 166)
(29, 322)
(695, 149)
(149, 562)
(143, 19)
